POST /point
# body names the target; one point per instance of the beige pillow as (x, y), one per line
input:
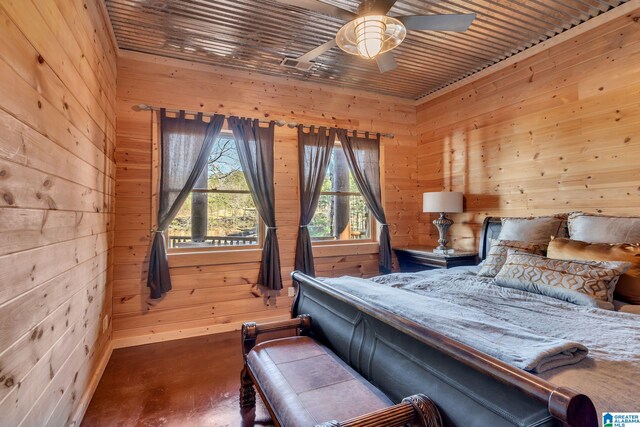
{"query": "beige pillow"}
(593, 228)
(535, 229)
(628, 287)
(560, 278)
(498, 254)
(630, 308)
(623, 307)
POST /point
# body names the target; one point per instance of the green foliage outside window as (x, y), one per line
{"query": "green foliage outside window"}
(323, 225)
(231, 213)
(232, 218)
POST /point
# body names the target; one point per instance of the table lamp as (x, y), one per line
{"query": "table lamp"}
(443, 202)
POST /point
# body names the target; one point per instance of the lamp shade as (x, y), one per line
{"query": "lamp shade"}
(443, 201)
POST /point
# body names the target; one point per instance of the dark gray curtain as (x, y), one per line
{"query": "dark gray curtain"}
(255, 151)
(314, 154)
(363, 157)
(185, 147)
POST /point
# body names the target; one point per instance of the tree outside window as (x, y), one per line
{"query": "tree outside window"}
(220, 211)
(342, 213)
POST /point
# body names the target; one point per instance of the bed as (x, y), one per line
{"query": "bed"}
(397, 331)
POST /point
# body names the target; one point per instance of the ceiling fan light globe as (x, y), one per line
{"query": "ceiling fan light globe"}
(369, 49)
(371, 35)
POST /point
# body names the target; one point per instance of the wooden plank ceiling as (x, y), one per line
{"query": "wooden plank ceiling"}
(255, 35)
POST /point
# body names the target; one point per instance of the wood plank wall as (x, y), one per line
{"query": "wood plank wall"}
(216, 291)
(557, 132)
(57, 143)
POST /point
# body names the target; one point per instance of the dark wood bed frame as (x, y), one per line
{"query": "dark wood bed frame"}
(402, 358)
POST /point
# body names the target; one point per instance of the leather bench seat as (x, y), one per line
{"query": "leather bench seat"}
(306, 384)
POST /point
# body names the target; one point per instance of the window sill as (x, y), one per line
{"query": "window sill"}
(215, 257)
(346, 248)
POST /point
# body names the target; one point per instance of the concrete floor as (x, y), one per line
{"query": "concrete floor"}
(189, 382)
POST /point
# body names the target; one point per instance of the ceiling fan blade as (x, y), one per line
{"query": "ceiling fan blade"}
(321, 7)
(459, 22)
(386, 62)
(313, 54)
(379, 7)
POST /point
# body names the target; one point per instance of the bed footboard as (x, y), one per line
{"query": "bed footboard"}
(403, 358)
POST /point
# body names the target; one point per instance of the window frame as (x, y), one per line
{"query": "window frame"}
(155, 188)
(373, 237)
(229, 248)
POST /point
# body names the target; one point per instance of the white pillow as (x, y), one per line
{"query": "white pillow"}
(534, 230)
(592, 228)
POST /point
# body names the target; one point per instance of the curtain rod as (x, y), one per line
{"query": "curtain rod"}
(279, 123)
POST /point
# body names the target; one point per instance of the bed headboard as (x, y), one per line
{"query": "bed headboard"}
(490, 230)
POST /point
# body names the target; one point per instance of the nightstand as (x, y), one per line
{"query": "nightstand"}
(419, 258)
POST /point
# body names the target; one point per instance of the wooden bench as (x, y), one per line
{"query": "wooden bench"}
(303, 384)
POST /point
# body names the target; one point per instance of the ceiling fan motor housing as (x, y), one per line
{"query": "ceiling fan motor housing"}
(371, 35)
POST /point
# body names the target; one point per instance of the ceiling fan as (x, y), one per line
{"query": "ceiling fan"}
(371, 33)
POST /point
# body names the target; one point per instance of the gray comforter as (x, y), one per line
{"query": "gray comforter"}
(530, 331)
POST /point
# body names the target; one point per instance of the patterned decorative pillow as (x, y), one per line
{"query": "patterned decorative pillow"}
(535, 229)
(593, 228)
(498, 254)
(596, 279)
(628, 287)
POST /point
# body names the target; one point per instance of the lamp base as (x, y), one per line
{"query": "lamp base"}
(444, 251)
(442, 224)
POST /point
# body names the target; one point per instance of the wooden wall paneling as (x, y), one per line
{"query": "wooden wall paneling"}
(57, 195)
(79, 106)
(50, 192)
(29, 309)
(20, 139)
(178, 330)
(226, 280)
(554, 133)
(207, 310)
(31, 348)
(627, 9)
(77, 44)
(21, 400)
(186, 297)
(73, 370)
(571, 64)
(96, 15)
(25, 103)
(82, 21)
(32, 228)
(24, 271)
(26, 147)
(569, 59)
(43, 34)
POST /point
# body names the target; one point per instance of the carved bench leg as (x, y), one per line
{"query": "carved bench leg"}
(247, 391)
(250, 331)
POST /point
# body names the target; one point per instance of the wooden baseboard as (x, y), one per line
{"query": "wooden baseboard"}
(93, 384)
(120, 341)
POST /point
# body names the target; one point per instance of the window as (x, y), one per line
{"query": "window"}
(342, 214)
(219, 212)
